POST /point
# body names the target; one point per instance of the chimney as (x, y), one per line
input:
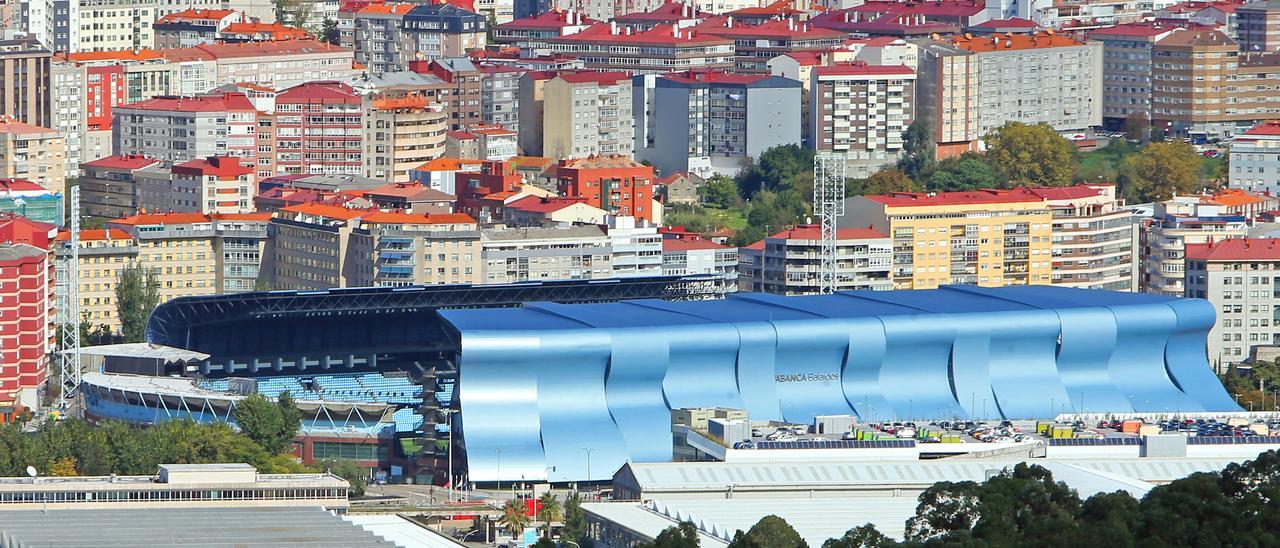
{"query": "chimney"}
(628, 31)
(729, 23)
(613, 27)
(675, 31)
(791, 24)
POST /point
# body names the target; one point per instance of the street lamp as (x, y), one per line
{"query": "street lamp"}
(499, 470)
(589, 452)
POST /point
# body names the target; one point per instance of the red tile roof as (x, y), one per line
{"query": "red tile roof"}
(1073, 192)
(163, 219)
(19, 185)
(194, 15)
(997, 42)
(450, 164)
(218, 166)
(230, 50)
(974, 197)
(666, 13)
(539, 204)
(381, 217)
(584, 76)
(324, 210)
(661, 34)
(220, 102)
(1269, 127)
(774, 28)
(255, 216)
(275, 30)
(123, 161)
(1132, 29)
(1232, 197)
(1013, 22)
(122, 55)
(13, 126)
(714, 77)
(318, 90)
(814, 232)
(780, 7)
(96, 234)
(861, 68)
(1236, 249)
(553, 19)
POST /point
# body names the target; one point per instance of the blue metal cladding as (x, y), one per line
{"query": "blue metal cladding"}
(571, 392)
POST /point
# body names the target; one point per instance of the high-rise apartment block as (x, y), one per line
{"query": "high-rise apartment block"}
(983, 237)
(860, 111)
(789, 262)
(1258, 26)
(1127, 62)
(27, 310)
(731, 118)
(1177, 223)
(33, 153)
(1095, 238)
(1255, 159)
(25, 74)
(177, 129)
(318, 128)
(401, 133)
(616, 184)
(1241, 278)
(971, 85)
(587, 114)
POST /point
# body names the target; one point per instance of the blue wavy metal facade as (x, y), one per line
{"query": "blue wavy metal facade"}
(592, 385)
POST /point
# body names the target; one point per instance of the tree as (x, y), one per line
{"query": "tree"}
(271, 425)
(770, 532)
(863, 536)
(886, 181)
(65, 466)
(549, 511)
(684, 535)
(1031, 154)
(544, 543)
(1136, 125)
(575, 520)
(356, 475)
(137, 294)
(968, 171)
(946, 510)
(329, 31)
(917, 150)
(779, 168)
(720, 191)
(1160, 170)
(515, 517)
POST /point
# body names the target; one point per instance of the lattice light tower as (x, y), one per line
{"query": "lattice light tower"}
(828, 206)
(67, 292)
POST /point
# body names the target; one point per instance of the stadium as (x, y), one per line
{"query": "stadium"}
(568, 381)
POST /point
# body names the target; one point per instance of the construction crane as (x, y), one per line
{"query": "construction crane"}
(67, 292)
(828, 206)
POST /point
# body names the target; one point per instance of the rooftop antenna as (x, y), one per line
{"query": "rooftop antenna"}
(828, 205)
(67, 292)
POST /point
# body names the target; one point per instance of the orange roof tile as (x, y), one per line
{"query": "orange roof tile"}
(382, 217)
(998, 42)
(255, 216)
(95, 235)
(449, 164)
(163, 219)
(124, 55)
(323, 210)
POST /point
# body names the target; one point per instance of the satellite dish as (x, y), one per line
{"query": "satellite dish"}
(31, 471)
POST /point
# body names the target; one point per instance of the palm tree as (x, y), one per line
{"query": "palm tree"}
(514, 517)
(549, 512)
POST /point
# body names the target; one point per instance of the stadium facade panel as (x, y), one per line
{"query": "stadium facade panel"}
(571, 392)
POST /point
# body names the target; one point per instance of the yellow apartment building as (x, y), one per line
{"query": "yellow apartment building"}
(985, 237)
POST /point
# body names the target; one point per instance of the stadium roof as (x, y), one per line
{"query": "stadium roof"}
(142, 350)
(188, 527)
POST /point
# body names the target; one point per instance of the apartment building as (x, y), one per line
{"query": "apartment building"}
(104, 254)
(213, 185)
(524, 254)
(985, 237)
(1258, 26)
(689, 254)
(177, 129)
(197, 254)
(34, 153)
(861, 111)
(500, 95)
(458, 85)
(1239, 277)
(31, 201)
(1095, 238)
(135, 75)
(587, 113)
(1191, 73)
(659, 50)
(277, 64)
(1127, 53)
(537, 31)
(317, 246)
(788, 262)
(616, 184)
(442, 30)
(969, 86)
(109, 186)
(27, 309)
(318, 128)
(731, 118)
(1255, 159)
(25, 74)
(755, 45)
(67, 112)
(401, 133)
(1174, 225)
(192, 27)
(637, 247)
(551, 210)
(376, 34)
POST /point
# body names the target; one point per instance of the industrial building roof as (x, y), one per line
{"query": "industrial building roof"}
(191, 527)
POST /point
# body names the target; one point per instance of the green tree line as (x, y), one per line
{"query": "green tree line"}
(1025, 507)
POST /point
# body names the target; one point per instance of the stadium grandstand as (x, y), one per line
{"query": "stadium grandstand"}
(373, 369)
